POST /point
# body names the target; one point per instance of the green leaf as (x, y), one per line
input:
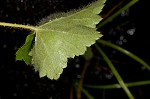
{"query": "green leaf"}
(23, 52)
(64, 37)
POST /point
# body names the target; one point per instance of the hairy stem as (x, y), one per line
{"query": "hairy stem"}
(13, 25)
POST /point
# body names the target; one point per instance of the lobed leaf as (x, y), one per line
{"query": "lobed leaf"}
(63, 38)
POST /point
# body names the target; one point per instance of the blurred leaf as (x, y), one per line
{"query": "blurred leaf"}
(23, 52)
(88, 54)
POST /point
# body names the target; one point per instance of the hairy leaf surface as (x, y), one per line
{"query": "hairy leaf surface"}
(63, 38)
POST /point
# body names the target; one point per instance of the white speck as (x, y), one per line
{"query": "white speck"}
(77, 65)
(119, 42)
(124, 40)
(14, 94)
(32, 6)
(21, 0)
(109, 76)
(125, 13)
(78, 76)
(131, 31)
(6, 15)
(143, 68)
(121, 37)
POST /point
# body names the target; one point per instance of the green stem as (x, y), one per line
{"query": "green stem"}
(110, 18)
(87, 94)
(118, 77)
(125, 52)
(112, 86)
(32, 28)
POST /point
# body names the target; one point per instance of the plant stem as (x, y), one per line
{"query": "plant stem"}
(32, 28)
(113, 86)
(110, 18)
(112, 9)
(87, 94)
(80, 84)
(115, 72)
(126, 52)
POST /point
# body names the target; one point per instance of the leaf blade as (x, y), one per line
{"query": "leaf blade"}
(64, 38)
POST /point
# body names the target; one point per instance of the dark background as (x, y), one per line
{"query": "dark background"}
(129, 30)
